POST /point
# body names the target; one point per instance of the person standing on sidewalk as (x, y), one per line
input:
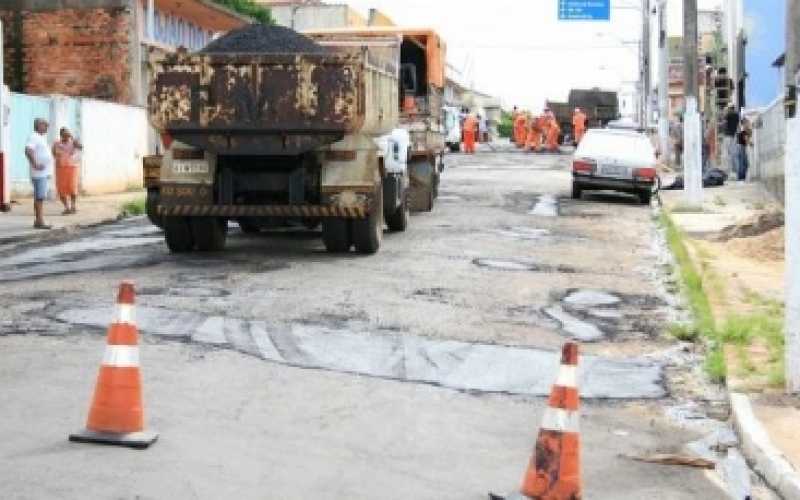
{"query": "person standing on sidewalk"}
(730, 126)
(64, 152)
(743, 141)
(41, 162)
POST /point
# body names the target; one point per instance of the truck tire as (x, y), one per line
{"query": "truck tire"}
(336, 235)
(311, 224)
(397, 222)
(210, 233)
(150, 208)
(368, 232)
(178, 234)
(421, 191)
(248, 226)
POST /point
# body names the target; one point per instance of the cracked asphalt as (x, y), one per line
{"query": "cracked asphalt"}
(276, 370)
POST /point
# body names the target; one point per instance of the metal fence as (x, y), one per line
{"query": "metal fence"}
(769, 141)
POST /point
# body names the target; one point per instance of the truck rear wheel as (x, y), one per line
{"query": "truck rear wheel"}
(368, 232)
(422, 186)
(210, 233)
(178, 234)
(336, 235)
(150, 208)
(398, 221)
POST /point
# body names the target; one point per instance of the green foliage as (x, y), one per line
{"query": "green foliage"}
(715, 365)
(134, 207)
(249, 8)
(506, 126)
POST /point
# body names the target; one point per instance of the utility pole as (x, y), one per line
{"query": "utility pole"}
(647, 90)
(692, 152)
(663, 80)
(792, 177)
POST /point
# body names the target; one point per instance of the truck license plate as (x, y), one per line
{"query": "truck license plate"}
(190, 166)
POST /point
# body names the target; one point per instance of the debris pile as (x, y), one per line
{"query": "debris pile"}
(259, 38)
(761, 237)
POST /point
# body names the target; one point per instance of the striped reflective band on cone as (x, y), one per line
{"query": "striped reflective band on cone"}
(567, 376)
(121, 356)
(556, 419)
(125, 314)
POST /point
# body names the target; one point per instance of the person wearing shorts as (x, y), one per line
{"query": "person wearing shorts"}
(40, 158)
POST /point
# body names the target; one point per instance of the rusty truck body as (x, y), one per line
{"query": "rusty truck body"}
(419, 101)
(270, 139)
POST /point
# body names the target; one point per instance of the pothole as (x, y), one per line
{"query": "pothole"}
(547, 206)
(522, 233)
(185, 292)
(592, 298)
(576, 328)
(506, 265)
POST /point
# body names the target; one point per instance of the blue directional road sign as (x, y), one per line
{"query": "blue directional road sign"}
(584, 10)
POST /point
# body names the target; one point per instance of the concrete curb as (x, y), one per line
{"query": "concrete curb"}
(760, 452)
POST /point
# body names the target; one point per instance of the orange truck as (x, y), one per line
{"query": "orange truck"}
(420, 100)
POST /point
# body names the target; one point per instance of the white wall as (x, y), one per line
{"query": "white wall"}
(115, 139)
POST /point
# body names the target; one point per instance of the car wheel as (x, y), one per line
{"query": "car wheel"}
(576, 191)
(455, 148)
(645, 197)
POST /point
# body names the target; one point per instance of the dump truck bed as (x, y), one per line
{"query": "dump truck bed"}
(272, 103)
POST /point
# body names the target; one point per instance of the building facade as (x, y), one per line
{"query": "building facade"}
(101, 48)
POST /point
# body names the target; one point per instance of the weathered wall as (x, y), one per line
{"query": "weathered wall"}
(767, 165)
(75, 51)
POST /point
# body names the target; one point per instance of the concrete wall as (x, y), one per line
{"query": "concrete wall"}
(114, 138)
(769, 140)
(49, 46)
(312, 16)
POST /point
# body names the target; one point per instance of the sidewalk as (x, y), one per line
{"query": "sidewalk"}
(737, 243)
(17, 225)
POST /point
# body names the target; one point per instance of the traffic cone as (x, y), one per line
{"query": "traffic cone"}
(554, 469)
(117, 412)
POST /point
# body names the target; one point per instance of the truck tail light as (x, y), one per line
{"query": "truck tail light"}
(166, 140)
(647, 174)
(583, 166)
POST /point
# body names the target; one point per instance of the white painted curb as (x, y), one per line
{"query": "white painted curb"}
(761, 453)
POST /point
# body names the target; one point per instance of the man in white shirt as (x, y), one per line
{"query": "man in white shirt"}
(42, 163)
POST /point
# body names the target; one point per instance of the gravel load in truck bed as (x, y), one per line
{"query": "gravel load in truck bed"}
(263, 38)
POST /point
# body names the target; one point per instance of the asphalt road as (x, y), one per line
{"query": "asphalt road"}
(275, 370)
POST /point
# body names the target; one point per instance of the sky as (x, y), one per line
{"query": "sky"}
(519, 51)
(765, 23)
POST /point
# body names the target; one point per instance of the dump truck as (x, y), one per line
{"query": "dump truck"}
(274, 134)
(600, 107)
(420, 99)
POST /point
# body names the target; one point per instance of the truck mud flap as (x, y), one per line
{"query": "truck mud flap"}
(237, 211)
(421, 192)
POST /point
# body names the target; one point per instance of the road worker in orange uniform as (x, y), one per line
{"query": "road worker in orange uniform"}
(470, 129)
(578, 125)
(534, 135)
(520, 130)
(553, 131)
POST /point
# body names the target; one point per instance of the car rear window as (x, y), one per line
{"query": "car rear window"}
(616, 144)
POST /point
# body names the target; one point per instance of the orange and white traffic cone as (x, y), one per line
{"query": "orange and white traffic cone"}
(554, 470)
(117, 412)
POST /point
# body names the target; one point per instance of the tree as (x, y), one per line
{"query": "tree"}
(249, 8)
(506, 125)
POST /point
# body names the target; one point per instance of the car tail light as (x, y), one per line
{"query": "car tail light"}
(648, 173)
(166, 140)
(582, 166)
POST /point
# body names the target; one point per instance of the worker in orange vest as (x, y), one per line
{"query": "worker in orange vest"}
(534, 135)
(520, 130)
(470, 129)
(578, 125)
(553, 131)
